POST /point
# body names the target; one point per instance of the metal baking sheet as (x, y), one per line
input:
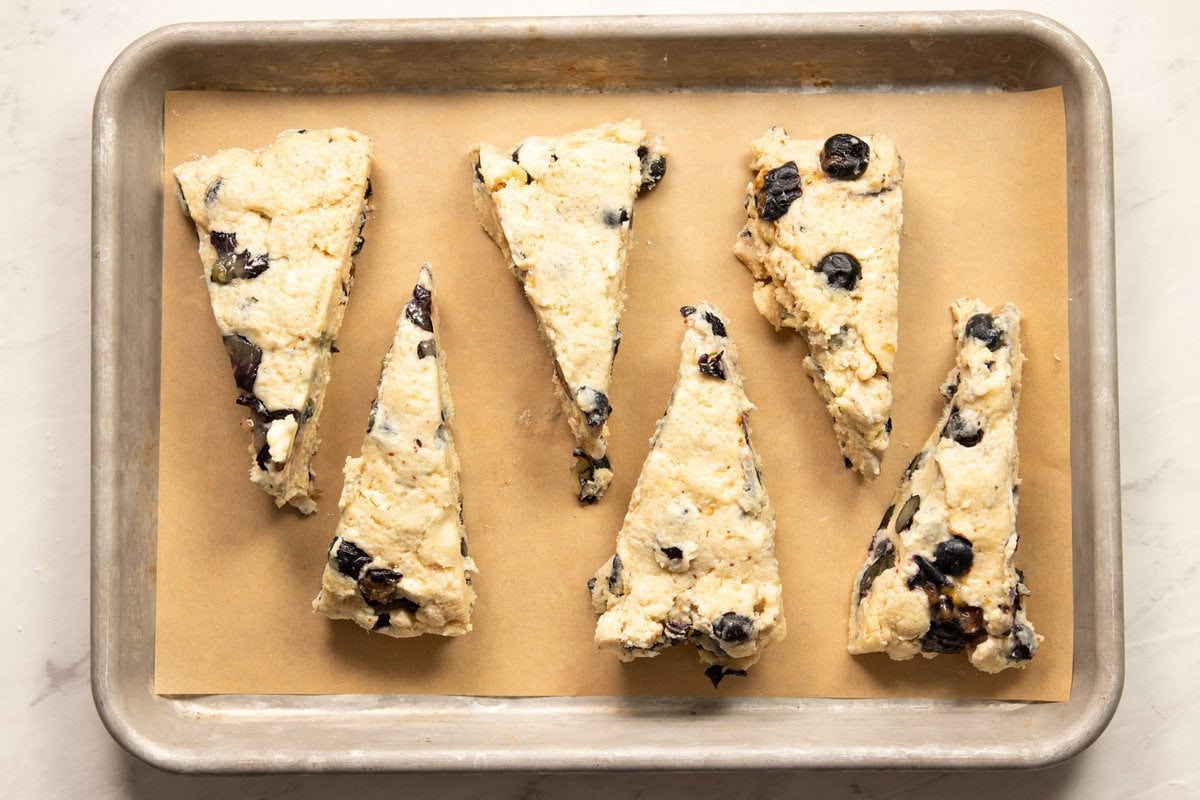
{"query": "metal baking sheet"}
(934, 52)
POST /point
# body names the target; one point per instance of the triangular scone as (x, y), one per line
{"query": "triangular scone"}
(822, 240)
(939, 575)
(398, 563)
(695, 559)
(278, 228)
(560, 209)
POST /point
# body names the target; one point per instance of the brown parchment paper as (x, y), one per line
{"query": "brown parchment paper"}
(984, 215)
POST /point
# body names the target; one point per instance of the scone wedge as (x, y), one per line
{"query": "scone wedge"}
(822, 240)
(278, 230)
(398, 563)
(695, 558)
(939, 574)
(560, 209)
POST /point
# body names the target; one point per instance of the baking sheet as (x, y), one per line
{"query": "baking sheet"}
(984, 215)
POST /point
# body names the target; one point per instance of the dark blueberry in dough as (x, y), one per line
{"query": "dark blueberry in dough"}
(716, 323)
(462, 546)
(887, 517)
(1023, 642)
(733, 628)
(210, 194)
(907, 511)
(614, 575)
(358, 245)
(845, 157)
(516, 155)
(370, 191)
(674, 630)
(380, 587)
(944, 636)
(882, 558)
(965, 431)
(713, 365)
(426, 348)
(780, 188)
(913, 466)
(244, 357)
(350, 558)
(615, 219)
(928, 576)
(382, 621)
(418, 309)
(406, 604)
(263, 458)
(954, 556)
(687, 311)
(224, 243)
(983, 327)
(887, 427)
(841, 270)
(716, 672)
(654, 167)
(847, 463)
(594, 405)
(673, 553)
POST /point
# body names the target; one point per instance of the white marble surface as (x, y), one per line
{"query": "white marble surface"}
(52, 55)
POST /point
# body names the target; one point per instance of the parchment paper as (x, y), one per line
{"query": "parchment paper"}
(984, 215)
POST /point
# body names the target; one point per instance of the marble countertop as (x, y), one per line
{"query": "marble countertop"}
(52, 56)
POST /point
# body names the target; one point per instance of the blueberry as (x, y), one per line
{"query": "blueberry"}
(673, 553)
(594, 405)
(983, 327)
(944, 636)
(350, 558)
(733, 628)
(244, 357)
(712, 365)
(716, 672)
(845, 157)
(462, 546)
(687, 311)
(954, 556)
(615, 219)
(883, 558)
(715, 322)
(224, 243)
(380, 587)
(847, 463)
(887, 517)
(210, 194)
(887, 426)
(928, 577)
(674, 630)
(263, 457)
(907, 511)
(382, 621)
(614, 575)
(780, 188)
(654, 167)
(841, 270)
(418, 309)
(966, 432)
(426, 348)
(591, 584)
(913, 466)
(370, 191)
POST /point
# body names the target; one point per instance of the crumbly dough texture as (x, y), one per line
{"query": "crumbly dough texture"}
(278, 228)
(851, 332)
(398, 563)
(561, 209)
(695, 558)
(939, 575)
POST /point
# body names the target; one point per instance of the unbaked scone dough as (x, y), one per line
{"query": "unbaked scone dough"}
(278, 229)
(398, 563)
(822, 239)
(560, 209)
(939, 574)
(695, 558)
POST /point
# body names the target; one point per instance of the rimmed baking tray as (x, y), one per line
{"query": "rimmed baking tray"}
(936, 52)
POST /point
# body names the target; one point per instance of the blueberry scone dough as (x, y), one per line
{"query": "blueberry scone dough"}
(278, 229)
(695, 558)
(939, 575)
(560, 209)
(398, 563)
(822, 239)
